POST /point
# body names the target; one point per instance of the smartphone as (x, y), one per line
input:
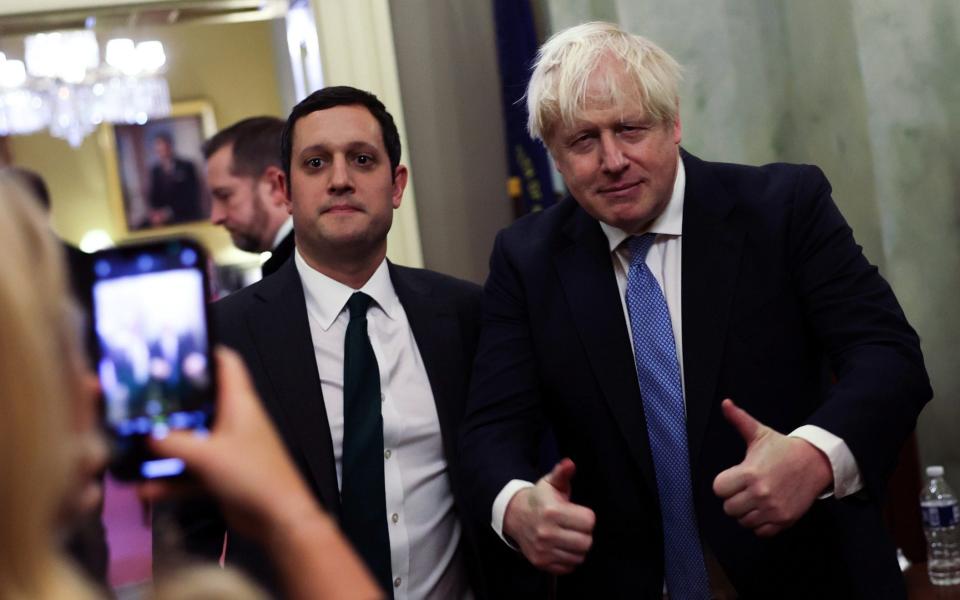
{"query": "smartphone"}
(152, 327)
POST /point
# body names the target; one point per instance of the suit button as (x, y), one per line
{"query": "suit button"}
(386, 453)
(394, 517)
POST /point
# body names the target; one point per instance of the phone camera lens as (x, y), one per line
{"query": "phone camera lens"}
(145, 262)
(188, 257)
(102, 268)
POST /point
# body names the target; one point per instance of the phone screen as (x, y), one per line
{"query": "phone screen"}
(154, 364)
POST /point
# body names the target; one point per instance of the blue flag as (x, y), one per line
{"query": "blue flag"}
(531, 183)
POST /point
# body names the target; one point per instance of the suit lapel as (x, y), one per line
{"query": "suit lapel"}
(281, 333)
(279, 255)
(589, 284)
(437, 332)
(712, 247)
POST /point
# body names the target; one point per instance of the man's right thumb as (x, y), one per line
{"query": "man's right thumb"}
(561, 477)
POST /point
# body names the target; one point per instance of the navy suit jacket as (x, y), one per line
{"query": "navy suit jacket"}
(781, 312)
(267, 324)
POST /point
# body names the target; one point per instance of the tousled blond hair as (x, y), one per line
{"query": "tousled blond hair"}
(39, 358)
(40, 365)
(558, 92)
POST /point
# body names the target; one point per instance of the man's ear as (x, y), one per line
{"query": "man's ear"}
(277, 184)
(400, 176)
(283, 190)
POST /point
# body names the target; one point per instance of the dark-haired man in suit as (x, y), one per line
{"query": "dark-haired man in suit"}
(729, 378)
(363, 364)
(244, 174)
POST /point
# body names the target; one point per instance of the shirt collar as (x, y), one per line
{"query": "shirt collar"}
(670, 221)
(330, 296)
(285, 228)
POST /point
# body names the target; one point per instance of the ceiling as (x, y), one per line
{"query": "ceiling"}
(46, 15)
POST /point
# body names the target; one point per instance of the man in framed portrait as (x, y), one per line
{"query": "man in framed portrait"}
(174, 195)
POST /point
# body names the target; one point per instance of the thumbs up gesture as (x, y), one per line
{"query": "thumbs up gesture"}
(778, 480)
(553, 533)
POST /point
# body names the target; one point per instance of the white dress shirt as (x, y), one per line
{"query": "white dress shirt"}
(664, 261)
(286, 228)
(423, 528)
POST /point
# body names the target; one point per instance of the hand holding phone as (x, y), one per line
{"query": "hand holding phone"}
(242, 462)
(245, 465)
(152, 327)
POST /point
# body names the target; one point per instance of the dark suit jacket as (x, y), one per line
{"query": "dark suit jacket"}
(279, 255)
(267, 324)
(781, 312)
(178, 190)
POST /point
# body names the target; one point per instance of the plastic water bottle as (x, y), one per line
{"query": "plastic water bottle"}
(941, 517)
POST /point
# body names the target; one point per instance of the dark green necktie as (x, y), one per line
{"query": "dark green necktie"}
(362, 497)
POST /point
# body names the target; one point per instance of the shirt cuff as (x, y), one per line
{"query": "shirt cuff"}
(500, 506)
(846, 473)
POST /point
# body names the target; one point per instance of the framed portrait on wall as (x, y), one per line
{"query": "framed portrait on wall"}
(155, 169)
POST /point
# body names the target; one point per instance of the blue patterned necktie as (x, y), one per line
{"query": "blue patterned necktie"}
(658, 372)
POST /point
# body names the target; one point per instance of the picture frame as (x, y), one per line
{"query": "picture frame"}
(155, 173)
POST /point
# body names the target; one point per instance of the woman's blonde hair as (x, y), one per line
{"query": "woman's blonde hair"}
(558, 87)
(39, 358)
(40, 365)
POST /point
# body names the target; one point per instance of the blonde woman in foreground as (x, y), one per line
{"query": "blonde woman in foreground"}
(49, 448)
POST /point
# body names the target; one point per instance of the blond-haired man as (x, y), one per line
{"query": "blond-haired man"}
(728, 378)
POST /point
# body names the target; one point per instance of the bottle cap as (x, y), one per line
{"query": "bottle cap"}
(935, 471)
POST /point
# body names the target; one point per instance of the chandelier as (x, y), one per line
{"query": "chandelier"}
(62, 86)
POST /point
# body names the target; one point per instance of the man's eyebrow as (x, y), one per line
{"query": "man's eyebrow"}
(578, 129)
(351, 146)
(362, 145)
(312, 148)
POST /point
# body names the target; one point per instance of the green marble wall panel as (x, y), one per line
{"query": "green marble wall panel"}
(910, 57)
